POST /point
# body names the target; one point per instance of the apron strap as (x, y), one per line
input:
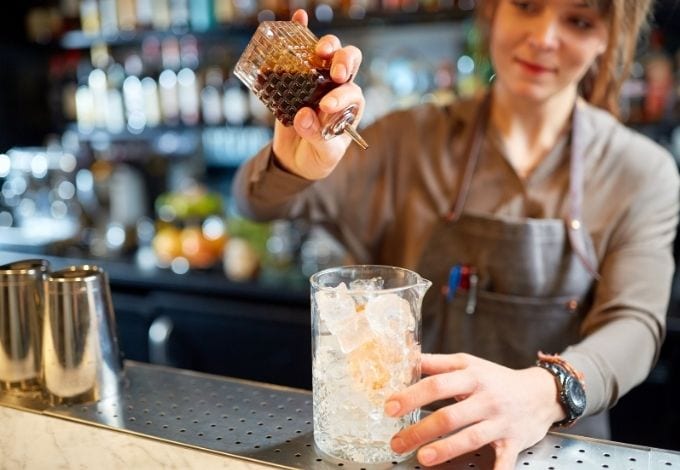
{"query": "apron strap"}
(574, 224)
(472, 150)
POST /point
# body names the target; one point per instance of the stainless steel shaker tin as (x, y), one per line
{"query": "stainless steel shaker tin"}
(81, 358)
(21, 314)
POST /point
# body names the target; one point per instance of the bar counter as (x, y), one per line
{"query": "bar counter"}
(173, 418)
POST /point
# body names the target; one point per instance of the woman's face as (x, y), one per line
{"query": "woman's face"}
(541, 48)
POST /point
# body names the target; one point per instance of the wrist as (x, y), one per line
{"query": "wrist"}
(570, 387)
(547, 395)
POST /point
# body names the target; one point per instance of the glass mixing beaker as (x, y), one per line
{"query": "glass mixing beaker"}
(365, 347)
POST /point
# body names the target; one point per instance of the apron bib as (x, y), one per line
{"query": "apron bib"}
(521, 285)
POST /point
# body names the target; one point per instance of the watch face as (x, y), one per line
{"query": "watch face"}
(574, 393)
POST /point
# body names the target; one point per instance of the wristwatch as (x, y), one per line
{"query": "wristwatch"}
(570, 390)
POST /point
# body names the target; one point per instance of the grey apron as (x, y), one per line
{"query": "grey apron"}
(526, 283)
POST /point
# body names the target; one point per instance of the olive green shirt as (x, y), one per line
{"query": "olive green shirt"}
(382, 203)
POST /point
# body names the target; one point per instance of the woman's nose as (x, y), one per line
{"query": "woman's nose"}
(544, 33)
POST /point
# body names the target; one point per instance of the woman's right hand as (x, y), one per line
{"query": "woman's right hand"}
(301, 149)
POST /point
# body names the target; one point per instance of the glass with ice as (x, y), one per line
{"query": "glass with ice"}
(365, 347)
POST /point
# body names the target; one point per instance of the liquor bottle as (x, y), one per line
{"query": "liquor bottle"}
(201, 15)
(133, 99)
(187, 89)
(211, 97)
(152, 108)
(236, 106)
(70, 12)
(224, 11)
(160, 19)
(659, 78)
(89, 17)
(169, 98)
(108, 14)
(98, 87)
(145, 14)
(179, 15)
(115, 116)
(127, 15)
(170, 55)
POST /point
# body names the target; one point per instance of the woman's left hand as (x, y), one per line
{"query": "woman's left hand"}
(508, 409)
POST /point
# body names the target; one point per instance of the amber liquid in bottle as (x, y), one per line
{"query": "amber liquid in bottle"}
(286, 92)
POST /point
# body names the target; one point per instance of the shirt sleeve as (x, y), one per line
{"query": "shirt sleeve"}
(355, 203)
(624, 330)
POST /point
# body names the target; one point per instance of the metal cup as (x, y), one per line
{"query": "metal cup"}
(21, 302)
(81, 359)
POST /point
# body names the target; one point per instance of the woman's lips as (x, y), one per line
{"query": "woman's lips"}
(535, 68)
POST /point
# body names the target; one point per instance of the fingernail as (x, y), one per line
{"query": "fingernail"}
(329, 102)
(398, 445)
(427, 455)
(392, 407)
(339, 71)
(326, 48)
(306, 122)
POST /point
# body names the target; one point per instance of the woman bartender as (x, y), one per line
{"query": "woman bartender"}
(545, 224)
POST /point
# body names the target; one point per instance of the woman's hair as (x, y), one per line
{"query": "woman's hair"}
(601, 85)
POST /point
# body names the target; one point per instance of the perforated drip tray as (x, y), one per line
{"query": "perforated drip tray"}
(273, 425)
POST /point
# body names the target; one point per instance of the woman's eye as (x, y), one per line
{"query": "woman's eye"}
(524, 5)
(580, 23)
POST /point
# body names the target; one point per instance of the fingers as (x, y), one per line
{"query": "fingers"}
(341, 97)
(440, 363)
(442, 422)
(300, 16)
(327, 46)
(307, 125)
(428, 390)
(346, 62)
(464, 441)
(506, 458)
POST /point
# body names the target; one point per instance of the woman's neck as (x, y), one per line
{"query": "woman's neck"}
(529, 130)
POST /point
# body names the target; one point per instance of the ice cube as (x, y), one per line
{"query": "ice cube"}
(374, 283)
(362, 289)
(352, 332)
(390, 316)
(367, 367)
(334, 305)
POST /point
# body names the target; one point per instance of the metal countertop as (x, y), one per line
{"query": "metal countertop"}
(273, 425)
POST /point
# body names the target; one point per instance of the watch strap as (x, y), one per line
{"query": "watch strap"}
(564, 374)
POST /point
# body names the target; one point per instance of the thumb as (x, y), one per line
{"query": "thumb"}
(506, 458)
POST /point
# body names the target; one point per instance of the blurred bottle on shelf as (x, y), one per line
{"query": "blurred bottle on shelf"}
(108, 14)
(144, 13)
(658, 67)
(127, 15)
(89, 17)
(160, 18)
(211, 97)
(179, 15)
(188, 99)
(633, 93)
(235, 102)
(202, 15)
(224, 11)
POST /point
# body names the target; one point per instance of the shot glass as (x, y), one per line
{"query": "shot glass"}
(365, 347)
(280, 66)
